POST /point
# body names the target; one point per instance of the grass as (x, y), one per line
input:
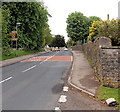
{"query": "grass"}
(19, 53)
(104, 93)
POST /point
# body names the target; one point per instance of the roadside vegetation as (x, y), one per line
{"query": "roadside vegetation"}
(107, 28)
(106, 92)
(82, 29)
(33, 31)
(20, 52)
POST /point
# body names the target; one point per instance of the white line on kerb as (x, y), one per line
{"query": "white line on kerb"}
(29, 68)
(62, 99)
(6, 80)
(57, 109)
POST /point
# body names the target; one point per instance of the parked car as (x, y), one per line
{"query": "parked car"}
(53, 49)
(58, 50)
(65, 49)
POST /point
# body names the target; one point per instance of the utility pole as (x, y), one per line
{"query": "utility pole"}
(17, 36)
(107, 16)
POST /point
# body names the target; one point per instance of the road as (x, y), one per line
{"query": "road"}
(36, 83)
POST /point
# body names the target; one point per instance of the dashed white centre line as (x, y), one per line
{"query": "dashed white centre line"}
(29, 68)
(6, 80)
(39, 63)
(49, 58)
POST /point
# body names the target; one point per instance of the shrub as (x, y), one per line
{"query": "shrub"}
(107, 28)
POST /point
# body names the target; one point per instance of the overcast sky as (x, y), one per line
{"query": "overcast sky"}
(60, 9)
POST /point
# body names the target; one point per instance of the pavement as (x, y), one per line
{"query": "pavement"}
(82, 75)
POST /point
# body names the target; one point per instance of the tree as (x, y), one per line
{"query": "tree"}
(58, 41)
(5, 13)
(94, 18)
(77, 26)
(47, 35)
(33, 17)
(70, 43)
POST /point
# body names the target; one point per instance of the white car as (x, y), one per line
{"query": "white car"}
(65, 49)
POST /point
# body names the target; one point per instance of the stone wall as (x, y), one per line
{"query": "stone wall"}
(105, 60)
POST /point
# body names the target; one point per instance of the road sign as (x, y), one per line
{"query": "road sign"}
(14, 35)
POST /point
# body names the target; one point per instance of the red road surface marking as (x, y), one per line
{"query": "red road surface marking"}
(55, 58)
(60, 58)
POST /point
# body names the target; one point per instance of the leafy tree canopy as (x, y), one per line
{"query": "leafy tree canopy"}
(58, 41)
(78, 26)
(33, 17)
(5, 15)
(94, 18)
(47, 35)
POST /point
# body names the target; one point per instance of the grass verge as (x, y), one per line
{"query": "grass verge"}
(19, 53)
(105, 92)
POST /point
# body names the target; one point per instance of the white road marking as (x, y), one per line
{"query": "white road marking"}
(29, 68)
(39, 63)
(6, 80)
(49, 58)
(87, 92)
(65, 88)
(62, 99)
(57, 109)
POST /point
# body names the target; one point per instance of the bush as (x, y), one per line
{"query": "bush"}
(6, 51)
(107, 28)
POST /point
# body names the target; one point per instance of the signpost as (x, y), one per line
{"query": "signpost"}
(14, 37)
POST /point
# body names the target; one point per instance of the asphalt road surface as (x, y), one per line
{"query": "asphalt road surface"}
(35, 83)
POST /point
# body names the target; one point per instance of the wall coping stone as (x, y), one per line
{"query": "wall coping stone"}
(111, 47)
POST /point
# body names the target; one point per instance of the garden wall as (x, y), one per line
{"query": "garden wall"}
(105, 60)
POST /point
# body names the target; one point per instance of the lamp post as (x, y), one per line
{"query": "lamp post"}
(17, 24)
(17, 35)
